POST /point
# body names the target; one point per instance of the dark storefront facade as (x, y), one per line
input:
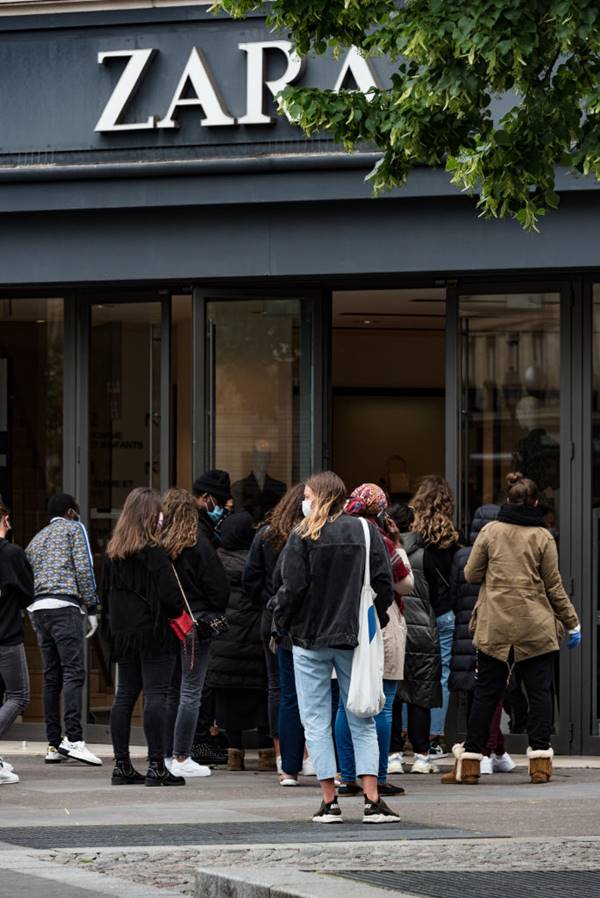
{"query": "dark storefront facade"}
(188, 282)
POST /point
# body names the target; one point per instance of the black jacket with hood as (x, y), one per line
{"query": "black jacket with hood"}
(16, 592)
(319, 599)
(422, 662)
(464, 596)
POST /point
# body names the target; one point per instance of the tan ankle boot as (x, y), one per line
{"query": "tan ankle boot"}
(466, 767)
(266, 759)
(235, 759)
(540, 765)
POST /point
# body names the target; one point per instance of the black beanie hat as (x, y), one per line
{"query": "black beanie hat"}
(216, 483)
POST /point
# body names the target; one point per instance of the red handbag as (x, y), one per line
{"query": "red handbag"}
(185, 624)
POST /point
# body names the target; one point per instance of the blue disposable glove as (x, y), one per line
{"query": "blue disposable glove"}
(574, 638)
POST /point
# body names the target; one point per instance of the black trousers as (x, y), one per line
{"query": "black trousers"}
(153, 675)
(419, 722)
(492, 674)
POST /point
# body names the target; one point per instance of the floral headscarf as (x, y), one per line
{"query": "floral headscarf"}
(368, 500)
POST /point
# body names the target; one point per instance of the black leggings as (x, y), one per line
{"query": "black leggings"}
(419, 722)
(236, 738)
(153, 675)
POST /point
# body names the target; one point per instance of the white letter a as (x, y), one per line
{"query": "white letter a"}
(206, 95)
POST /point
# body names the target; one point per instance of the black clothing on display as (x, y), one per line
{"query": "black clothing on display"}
(318, 602)
(422, 662)
(16, 591)
(537, 674)
(463, 597)
(249, 495)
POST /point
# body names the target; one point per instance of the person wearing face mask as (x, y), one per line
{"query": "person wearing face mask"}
(65, 592)
(16, 593)
(212, 494)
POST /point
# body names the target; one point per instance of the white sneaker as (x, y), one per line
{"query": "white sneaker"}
(78, 751)
(169, 763)
(6, 765)
(422, 764)
(7, 776)
(286, 780)
(53, 756)
(486, 766)
(188, 768)
(308, 768)
(503, 763)
(395, 762)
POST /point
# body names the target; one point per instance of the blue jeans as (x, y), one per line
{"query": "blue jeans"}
(313, 669)
(383, 722)
(291, 731)
(445, 625)
(185, 696)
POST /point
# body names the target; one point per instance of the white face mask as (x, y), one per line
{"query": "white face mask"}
(306, 508)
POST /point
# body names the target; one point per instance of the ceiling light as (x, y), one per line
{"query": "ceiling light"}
(367, 321)
(40, 321)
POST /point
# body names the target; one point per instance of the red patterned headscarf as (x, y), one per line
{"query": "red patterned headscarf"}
(367, 500)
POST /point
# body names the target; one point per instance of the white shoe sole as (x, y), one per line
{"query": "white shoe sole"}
(328, 818)
(381, 818)
(73, 756)
(288, 783)
(188, 775)
(395, 770)
(505, 769)
(10, 782)
(424, 772)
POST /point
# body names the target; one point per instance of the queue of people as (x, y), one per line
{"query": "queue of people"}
(225, 627)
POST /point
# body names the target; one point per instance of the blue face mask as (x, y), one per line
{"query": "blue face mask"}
(216, 514)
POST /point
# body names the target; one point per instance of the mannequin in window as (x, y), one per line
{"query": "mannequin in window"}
(258, 493)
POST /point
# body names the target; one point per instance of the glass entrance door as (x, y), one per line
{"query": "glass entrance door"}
(124, 441)
(258, 379)
(510, 385)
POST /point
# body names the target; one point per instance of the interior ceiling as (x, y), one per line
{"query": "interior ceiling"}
(384, 309)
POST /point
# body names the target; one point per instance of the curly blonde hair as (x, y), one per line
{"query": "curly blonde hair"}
(180, 525)
(330, 494)
(433, 505)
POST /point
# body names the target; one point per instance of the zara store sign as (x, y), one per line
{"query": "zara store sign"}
(198, 87)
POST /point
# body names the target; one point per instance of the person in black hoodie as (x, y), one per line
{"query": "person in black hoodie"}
(205, 585)
(318, 604)
(237, 670)
(260, 577)
(16, 593)
(433, 505)
(143, 595)
(212, 494)
(464, 654)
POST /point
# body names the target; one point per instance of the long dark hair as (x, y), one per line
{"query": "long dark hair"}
(284, 517)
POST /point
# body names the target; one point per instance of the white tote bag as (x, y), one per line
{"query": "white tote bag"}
(365, 696)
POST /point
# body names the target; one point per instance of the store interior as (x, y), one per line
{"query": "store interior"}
(388, 377)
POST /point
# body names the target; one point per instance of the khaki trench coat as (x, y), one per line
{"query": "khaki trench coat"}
(522, 603)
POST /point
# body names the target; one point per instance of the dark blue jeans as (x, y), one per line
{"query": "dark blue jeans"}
(291, 731)
(383, 722)
(61, 639)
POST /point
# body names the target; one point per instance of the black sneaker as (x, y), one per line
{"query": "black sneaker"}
(378, 812)
(209, 754)
(329, 812)
(437, 750)
(389, 789)
(349, 789)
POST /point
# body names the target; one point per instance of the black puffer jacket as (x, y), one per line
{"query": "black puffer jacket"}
(422, 663)
(258, 579)
(464, 596)
(237, 659)
(319, 599)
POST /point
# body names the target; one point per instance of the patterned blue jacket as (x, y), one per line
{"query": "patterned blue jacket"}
(61, 559)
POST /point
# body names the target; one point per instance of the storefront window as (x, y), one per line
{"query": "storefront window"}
(596, 510)
(125, 414)
(511, 396)
(254, 398)
(511, 415)
(31, 431)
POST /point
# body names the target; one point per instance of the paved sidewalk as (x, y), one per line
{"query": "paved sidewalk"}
(65, 830)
